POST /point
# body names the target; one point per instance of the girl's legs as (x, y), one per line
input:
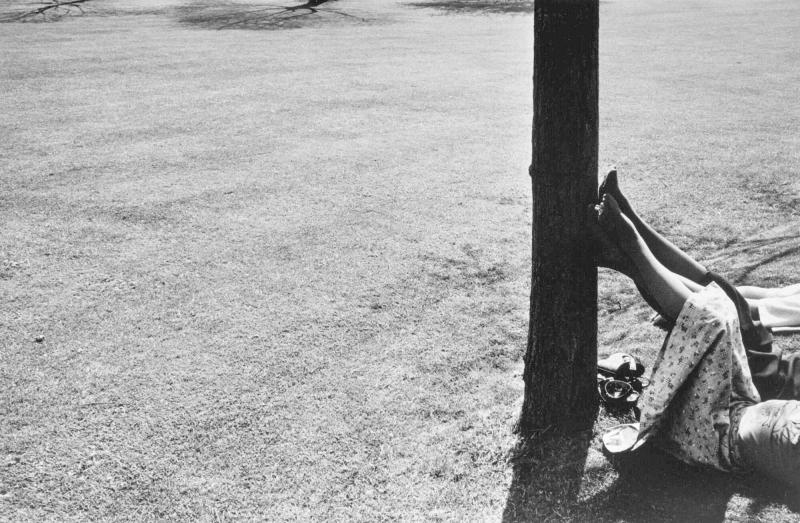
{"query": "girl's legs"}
(660, 285)
(672, 257)
(774, 307)
(691, 285)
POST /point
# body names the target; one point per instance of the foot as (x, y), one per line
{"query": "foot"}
(617, 227)
(606, 252)
(610, 185)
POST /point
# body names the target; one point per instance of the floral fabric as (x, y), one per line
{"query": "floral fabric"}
(700, 382)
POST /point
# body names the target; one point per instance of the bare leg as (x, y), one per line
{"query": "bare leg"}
(671, 256)
(774, 307)
(691, 285)
(662, 285)
(691, 272)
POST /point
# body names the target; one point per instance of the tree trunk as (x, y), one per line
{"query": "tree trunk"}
(561, 359)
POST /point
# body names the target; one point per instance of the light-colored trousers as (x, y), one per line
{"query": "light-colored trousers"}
(779, 311)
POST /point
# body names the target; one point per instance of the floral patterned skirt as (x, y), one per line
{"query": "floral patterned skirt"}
(700, 383)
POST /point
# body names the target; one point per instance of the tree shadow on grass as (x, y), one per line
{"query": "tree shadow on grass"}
(47, 10)
(547, 475)
(565, 478)
(272, 16)
(652, 486)
(741, 257)
(478, 6)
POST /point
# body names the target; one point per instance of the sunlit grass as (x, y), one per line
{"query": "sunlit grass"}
(284, 274)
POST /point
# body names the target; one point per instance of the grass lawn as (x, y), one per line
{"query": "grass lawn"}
(256, 273)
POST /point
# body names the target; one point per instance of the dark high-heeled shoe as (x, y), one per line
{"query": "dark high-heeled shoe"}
(610, 179)
(604, 251)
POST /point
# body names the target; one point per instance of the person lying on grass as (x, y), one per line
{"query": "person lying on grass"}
(702, 405)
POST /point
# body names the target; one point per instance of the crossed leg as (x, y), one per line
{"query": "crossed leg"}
(660, 287)
(775, 307)
(670, 255)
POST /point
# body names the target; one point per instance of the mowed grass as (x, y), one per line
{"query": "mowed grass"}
(283, 274)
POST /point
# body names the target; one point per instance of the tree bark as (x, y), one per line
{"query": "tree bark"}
(561, 358)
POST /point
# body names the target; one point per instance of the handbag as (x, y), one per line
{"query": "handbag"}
(619, 381)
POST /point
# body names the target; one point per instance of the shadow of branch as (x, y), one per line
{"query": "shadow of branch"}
(478, 6)
(741, 258)
(269, 16)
